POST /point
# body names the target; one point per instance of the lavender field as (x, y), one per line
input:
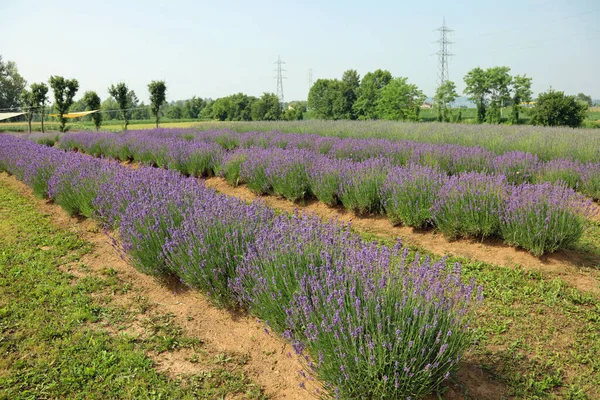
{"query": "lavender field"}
(461, 191)
(545, 142)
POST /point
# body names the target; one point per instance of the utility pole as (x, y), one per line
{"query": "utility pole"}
(443, 53)
(280, 79)
(310, 78)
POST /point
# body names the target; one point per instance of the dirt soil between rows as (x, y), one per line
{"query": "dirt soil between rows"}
(581, 271)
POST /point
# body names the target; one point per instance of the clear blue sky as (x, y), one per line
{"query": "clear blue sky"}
(217, 48)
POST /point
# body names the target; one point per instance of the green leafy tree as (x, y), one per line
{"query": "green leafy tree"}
(350, 86)
(585, 99)
(192, 107)
(110, 108)
(121, 94)
(207, 112)
(64, 92)
(369, 93)
(28, 105)
(158, 95)
(400, 100)
(477, 89)
(319, 100)
(445, 94)
(498, 81)
(220, 108)
(174, 111)
(554, 108)
(11, 85)
(267, 108)
(521, 92)
(92, 102)
(39, 93)
(295, 111)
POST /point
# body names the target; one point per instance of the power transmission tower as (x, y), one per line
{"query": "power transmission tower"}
(443, 53)
(310, 78)
(280, 79)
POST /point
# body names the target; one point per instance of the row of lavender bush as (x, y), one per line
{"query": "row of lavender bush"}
(371, 321)
(518, 167)
(540, 217)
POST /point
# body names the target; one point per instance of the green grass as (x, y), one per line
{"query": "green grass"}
(537, 336)
(64, 337)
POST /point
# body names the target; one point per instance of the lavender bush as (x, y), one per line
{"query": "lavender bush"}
(468, 205)
(543, 218)
(408, 194)
(205, 250)
(287, 173)
(323, 288)
(252, 171)
(360, 185)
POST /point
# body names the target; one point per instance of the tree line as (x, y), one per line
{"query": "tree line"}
(378, 95)
(123, 103)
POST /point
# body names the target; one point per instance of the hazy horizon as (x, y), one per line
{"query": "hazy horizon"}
(214, 49)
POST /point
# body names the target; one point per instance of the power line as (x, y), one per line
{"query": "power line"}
(279, 70)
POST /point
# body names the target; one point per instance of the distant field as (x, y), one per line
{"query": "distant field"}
(113, 126)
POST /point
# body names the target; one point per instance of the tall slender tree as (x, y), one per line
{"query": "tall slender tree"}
(476, 90)
(39, 92)
(120, 93)
(27, 105)
(521, 89)
(92, 102)
(64, 92)
(444, 95)
(158, 96)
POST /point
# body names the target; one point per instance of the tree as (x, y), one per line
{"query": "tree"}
(554, 108)
(220, 108)
(295, 111)
(92, 102)
(267, 108)
(109, 108)
(64, 92)
(521, 89)
(327, 100)
(27, 105)
(39, 93)
(158, 96)
(175, 111)
(444, 95)
(369, 93)
(350, 85)
(11, 85)
(192, 107)
(476, 90)
(498, 81)
(585, 99)
(121, 95)
(400, 100)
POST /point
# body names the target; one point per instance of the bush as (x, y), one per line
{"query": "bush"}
(287, 173)
(252, 171)
(375, 325)
(360, 185)
(408, 194)
(468, 205)
(543, 218)
(554, 108)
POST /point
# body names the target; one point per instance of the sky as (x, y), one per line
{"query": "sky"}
(212, 49)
